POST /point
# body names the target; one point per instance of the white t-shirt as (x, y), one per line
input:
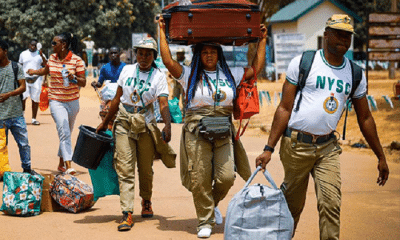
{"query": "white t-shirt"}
(89, 44)
(30, 60)
(156, 86)
(203, 96)
(324, 95)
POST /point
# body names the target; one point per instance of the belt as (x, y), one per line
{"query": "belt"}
(133, 109)
(310, 138)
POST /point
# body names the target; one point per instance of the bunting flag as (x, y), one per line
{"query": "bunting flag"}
(372, 102)
(386, 97)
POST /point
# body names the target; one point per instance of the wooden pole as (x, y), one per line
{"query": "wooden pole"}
(392, 70)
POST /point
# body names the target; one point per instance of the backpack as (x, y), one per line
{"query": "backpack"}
(306, 62)
(258, 212)
(14, 66)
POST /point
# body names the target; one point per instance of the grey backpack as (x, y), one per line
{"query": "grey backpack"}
(258, 212)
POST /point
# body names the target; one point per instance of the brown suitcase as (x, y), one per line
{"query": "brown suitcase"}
(234, 22)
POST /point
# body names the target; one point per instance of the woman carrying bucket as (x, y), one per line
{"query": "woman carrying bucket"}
(64, 92)
(137, 138)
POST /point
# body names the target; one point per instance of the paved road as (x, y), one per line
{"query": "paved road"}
(368, 211)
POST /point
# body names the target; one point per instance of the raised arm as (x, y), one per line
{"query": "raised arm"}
(173, 66)
(44, 60)
(280, 122)
(259, 60)
(368, 129)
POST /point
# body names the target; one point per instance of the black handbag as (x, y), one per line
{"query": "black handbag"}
(31, 79)
(213, 128)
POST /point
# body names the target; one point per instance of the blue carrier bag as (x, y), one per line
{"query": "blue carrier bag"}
(258, 212)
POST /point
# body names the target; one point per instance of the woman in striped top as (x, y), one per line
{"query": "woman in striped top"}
(64, 94)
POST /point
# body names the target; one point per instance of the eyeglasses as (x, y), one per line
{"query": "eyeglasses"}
(53, 43)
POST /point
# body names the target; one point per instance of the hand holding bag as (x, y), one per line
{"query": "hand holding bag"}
(246, 103)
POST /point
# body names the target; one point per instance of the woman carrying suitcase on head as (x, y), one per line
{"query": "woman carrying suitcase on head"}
(208, 164)
(137, 138)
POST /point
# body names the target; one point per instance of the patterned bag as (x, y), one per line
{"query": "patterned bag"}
(71, 193)
(22, 193)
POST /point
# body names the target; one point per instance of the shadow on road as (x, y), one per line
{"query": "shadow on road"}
(183, 225)
(99, 219)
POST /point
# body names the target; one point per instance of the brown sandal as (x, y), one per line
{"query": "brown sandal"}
(61, 169)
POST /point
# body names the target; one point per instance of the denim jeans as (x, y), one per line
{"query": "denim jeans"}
(18, 129)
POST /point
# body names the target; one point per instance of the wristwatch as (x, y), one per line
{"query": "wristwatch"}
(74, 80)
(268, 148)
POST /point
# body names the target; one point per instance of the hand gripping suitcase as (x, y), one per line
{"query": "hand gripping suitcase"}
(258, 212)
(233, 22)
(71, 193)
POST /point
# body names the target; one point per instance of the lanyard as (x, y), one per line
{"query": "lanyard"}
(217, 90)
(142, 89)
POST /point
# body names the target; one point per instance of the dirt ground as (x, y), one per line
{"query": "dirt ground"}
(387, 119)
(368, 211)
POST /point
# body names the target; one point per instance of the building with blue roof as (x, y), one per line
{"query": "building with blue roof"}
(309, 17)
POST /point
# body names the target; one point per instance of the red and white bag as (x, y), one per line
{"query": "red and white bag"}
(71, 193)
(246, 103)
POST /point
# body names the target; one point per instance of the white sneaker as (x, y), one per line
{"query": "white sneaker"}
(204, 233)
(35, 122)
(218, 216)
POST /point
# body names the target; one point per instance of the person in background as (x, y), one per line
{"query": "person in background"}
(178, 89)
(137, 137)
(11, 115)
(110, 72)
(32, 59)
(64, 94)
(309, 145)
(208, 166)
(180, 57)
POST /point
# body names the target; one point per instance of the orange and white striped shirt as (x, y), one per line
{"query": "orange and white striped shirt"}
(57, 91)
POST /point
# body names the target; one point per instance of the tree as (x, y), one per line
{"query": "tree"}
(362, 8)
(267, 8)
(108, 22)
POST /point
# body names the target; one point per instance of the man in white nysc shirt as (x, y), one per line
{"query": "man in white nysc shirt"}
(309, 145)
(31, 59)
